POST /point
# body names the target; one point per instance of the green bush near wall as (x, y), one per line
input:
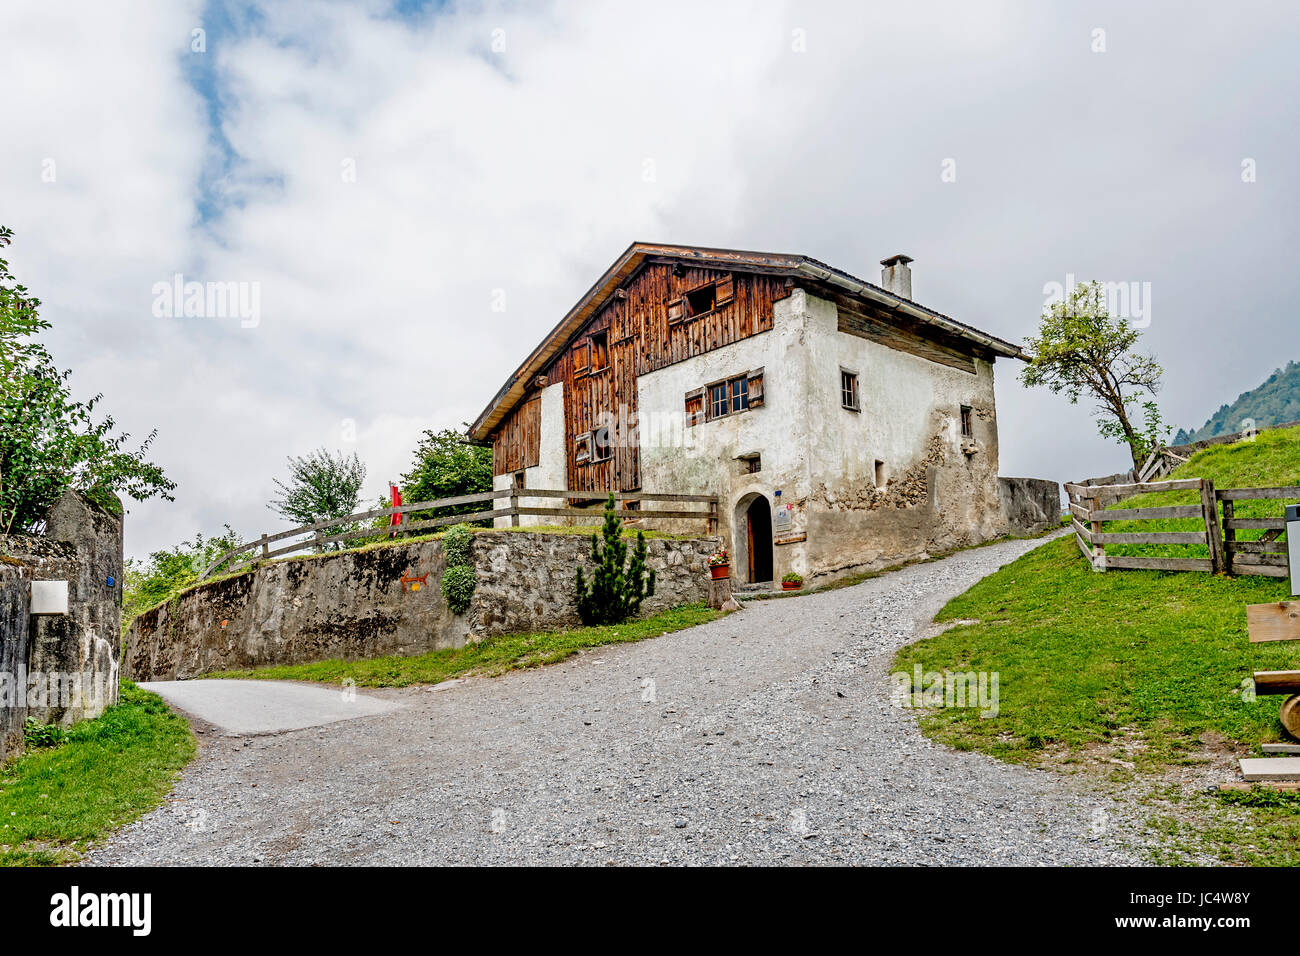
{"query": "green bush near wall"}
(458, 576)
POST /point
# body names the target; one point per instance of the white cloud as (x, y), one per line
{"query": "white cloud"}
(526, 171)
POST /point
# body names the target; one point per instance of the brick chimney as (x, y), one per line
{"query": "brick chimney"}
(896, 277)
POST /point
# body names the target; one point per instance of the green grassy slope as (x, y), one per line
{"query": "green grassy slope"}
(55, 802)
(1132, 675)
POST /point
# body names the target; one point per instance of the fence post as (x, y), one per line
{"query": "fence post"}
(266, 548)
(1098, 549)
(1213, 533)
(713, 516)
(1229, 535)
(514, 505)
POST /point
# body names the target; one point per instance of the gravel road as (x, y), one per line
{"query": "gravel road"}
(765, 737)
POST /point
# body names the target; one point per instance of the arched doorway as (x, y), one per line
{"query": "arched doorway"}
(754, 538)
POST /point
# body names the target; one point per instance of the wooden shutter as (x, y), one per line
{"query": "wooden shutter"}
(676, 310)
(756, 388)
(694, 407)
(725, 291)
(581, 351)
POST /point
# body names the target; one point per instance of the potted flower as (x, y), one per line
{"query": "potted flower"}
(720, 564)
(792, 581)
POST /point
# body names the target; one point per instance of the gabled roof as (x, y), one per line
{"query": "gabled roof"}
(774, 263)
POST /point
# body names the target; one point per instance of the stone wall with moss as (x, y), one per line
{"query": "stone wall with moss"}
(384, 601)
(61, 668)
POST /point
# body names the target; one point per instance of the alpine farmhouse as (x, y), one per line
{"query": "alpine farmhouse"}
(843, 425)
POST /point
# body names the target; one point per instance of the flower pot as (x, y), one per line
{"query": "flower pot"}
(720, 571)
(791, 586)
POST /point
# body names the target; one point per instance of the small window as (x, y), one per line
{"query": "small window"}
(731, 396)
(719, 400)
(701, 300)
(602, 444)
(881, 478)
(599, 351)
(518, 480)
(753, 465)
(967, 425)
(582, 449)
(739, 394)
(849, 390)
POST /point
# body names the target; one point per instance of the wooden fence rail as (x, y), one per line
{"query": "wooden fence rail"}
(312, 536)
(1265, 555)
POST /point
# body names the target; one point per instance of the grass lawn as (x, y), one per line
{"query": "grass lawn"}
(493, 655)
(1136, 676)
(54, 802)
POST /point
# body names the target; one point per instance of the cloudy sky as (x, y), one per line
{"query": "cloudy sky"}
(383, 173)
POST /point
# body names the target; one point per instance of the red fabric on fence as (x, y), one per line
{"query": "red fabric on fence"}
(397, 503)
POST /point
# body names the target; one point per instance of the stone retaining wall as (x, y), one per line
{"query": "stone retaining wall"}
(1030, 505)
(60, 668)
(383, 601)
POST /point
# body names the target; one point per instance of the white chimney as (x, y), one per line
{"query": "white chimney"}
(896, 277)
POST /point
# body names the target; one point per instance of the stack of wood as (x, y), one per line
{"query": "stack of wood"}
(1276, 622)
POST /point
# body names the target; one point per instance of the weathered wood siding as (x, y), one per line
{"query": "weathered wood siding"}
(517, 444)
(640, 337)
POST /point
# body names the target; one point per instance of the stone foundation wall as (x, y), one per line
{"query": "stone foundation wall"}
(525, 580)
(384, 601)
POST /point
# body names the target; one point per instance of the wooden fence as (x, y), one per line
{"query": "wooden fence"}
(628, 505)
(1265, 554)
(1089, 509)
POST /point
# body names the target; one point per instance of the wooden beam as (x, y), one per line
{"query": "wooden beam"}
(1238, 567)
(1141, 514)
(1278, 523)
(1158, 564)
(1149, 537)
(1256, 547)
(1237, 494)
(1277, 682)
(1283, 785)
(1278, 621)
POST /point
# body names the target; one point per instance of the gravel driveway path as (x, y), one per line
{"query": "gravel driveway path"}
(770, 738)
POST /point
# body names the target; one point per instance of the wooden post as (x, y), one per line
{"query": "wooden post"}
(1229, 535)
(719, 592)
(1213, 533)
(1098, 550)
(713, 518)
(266, 549)
(514, 505)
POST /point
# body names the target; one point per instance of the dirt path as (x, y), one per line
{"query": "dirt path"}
(767, 736)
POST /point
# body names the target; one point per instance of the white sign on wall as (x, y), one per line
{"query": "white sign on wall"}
(49, 597)
(781, 521)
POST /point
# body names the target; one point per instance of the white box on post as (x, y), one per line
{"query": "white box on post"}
(49, 597)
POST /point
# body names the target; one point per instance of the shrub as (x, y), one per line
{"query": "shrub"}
(618, 586)
(792, 577)
(458, 577)
(455, 545)
(37, 734)
(458, 587)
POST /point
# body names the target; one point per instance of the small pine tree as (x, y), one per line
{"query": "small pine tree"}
(617, 587)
